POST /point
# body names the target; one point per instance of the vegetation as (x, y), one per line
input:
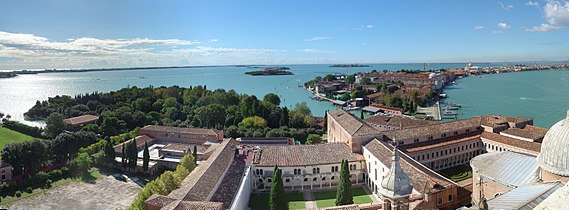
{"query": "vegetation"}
(22, 128)
(328, 198)
(164, 184)
(133, 107)
(261, 201)
(457, 173)
(277, 199)
(344, 190)
(146, 157)
(54, 125)
(314, 139)
(8, 136)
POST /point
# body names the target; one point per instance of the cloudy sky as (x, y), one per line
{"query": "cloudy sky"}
(128, 33)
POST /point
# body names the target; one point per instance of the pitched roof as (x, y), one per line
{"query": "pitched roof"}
(179, 130)
(526, 197)
(81, 119)
(302, 155)
(426, 145)
(530, 146)
(432, 129)
(508, 168)
(497, 120)
(380, 121)
(353, 125)
(201, 182)
(529, 132)
(380, 106)
(421, 178)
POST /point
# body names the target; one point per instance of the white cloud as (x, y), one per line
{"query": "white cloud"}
(556, 14)
(532, 4)
(503, 25)
(30, 51)
(317, 38)
(478, 27)
(314, 51)
(213, 40)
(364, 27)
(506, 7)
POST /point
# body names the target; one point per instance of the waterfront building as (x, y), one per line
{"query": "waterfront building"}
(517, 180)
(76, 123)
(5, 172)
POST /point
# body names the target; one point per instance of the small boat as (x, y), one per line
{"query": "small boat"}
(448, 112)
(453, 104)
(451, 108)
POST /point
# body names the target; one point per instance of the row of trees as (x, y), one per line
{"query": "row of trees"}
(31, 155)
(133, 107)
(164, 184)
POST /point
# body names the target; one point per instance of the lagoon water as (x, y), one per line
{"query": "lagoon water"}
(543, 95)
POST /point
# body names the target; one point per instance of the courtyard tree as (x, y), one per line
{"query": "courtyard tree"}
(109, 152)
(344, 190)
(277, 199)
(54, 125)
(145, 157)
(83, 163)
(284, 117)
(195, 153)
(272, 98)
(313, 139)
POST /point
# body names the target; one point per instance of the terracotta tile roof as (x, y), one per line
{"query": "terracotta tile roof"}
(426, 145)
(530, 146)
(179, 130)
(432, 129)
(375, 95)
(352, 124)
(81, 119)
(200, 184)
(380, 106)
(498, 120)
(140, 140)
(379, 122)
(179, 147)
(529, 131)
(198, 205)
(159, 200)
(303, 155)
(230, 184)
(421, 178)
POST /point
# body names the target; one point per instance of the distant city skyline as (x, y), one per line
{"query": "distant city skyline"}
(38, 34)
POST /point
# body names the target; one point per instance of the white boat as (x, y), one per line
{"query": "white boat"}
(448, 112)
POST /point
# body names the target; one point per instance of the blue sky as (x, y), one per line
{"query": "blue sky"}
(110, 33)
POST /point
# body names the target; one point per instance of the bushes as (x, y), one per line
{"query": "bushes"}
(40, 180)
(22, 128)
(164, 184)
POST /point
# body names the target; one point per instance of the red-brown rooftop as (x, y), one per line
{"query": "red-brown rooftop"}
(81, 120)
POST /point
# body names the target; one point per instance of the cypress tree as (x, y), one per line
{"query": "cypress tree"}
(109, 152)
(325, 120)
(133, 154)
(195, 154)
(145, 157)
(277, 199)
(123, 156)
(284, 117)
(362, 114)
(344, 190)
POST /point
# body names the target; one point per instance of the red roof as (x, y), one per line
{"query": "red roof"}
(386, 107)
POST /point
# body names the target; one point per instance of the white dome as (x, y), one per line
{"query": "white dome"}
(554, 155)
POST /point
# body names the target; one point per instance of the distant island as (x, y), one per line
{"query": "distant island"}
(7, 74)
(350, 65)
(268, 71)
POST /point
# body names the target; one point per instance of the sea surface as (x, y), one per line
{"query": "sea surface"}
(543, 95)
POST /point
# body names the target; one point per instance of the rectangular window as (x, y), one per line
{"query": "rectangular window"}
(376, 174)
(449, 197)
(416, 141)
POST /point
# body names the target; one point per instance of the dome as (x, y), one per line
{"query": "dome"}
(554, 155)
(396, 183)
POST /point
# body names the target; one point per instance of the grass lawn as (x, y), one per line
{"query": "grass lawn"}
(8, 136)
(261, 201)
(457, 173)
(328, 198)
(93, 174)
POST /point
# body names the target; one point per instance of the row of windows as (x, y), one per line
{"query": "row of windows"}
(453, 161)
(446, 151)
(314, 170)
(496, 147)
(305, 179)
(430, 138)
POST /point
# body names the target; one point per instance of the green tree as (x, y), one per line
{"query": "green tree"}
(145, 157)
(92, 128)
(284, 117)
(253, 122)
(195, 153)
(313, 139)
(362, 114)
(344, 190)
(302, 108)
(351, 79)
(83, 163)
(365, 81)
(277, 199)
(54, 125)
(109, 152)
(329, 77)
(188, 162)
(272, 98)
(123, 156)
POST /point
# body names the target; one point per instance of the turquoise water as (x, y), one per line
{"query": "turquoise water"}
(18, 94)
(542, 95)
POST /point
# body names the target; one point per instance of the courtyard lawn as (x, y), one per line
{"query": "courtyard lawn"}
(261, 201)
(457, 173)
(8, 136)
(328, 198)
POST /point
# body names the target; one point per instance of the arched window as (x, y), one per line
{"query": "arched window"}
(269, 180)
(287, 180)
(332, 178)
(306, 179)
(323, 178)
(314, 179)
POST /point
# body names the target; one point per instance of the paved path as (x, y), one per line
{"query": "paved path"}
(309, 198)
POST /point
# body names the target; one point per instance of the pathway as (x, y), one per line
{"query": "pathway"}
(309, 198)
